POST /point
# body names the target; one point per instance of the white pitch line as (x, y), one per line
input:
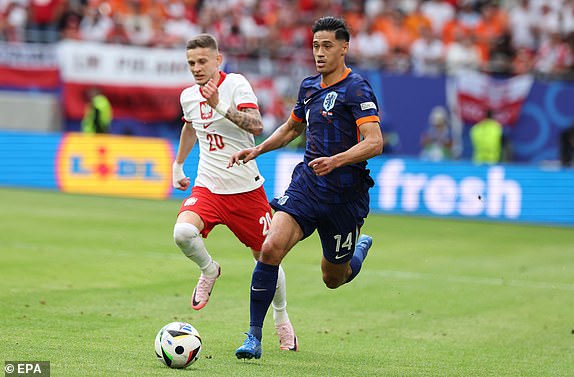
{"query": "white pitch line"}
(409, 275)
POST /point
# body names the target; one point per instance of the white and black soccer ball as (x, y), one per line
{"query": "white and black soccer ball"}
(178, 345)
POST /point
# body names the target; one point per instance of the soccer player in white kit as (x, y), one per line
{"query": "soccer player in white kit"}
(220, 111)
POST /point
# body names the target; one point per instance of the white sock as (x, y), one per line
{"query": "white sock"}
(279, 303)
(187, 237)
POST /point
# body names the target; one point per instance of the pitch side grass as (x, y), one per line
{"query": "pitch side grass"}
(86, 282)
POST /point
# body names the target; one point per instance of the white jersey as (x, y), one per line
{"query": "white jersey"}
(219, 138)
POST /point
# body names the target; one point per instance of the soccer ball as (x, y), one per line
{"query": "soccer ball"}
(178, 345)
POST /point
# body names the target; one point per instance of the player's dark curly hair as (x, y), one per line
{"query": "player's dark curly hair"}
(337, 25)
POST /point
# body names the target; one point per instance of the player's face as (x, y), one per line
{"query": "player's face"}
(329, 53)
(203, 64)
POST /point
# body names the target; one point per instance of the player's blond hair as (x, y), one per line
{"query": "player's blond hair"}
(202, 41)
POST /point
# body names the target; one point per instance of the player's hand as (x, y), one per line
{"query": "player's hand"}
(322, 165)
(211, 93)
(244, 155)
(179, 180)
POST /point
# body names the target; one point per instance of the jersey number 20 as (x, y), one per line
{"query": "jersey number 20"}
(215, 142)
(266, 222)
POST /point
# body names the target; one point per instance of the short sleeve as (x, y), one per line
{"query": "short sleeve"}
(298, 113)
(363, 103)
(243, 95)
(186, 116)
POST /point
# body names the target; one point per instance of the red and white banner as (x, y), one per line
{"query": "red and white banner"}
(28, 66)
(140, 83)
(477, 92)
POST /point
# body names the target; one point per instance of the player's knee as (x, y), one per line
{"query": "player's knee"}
(184, 234)
(271, 252)
(332, 281)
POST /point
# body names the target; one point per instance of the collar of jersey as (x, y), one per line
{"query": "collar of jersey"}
(222, 76)
(345, 74)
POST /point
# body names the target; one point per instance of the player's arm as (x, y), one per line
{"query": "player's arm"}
(248, 119)
(370, 146)
(282, 136)
(187, 140)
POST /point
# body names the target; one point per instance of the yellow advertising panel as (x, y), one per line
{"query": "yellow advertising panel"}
(114, 165)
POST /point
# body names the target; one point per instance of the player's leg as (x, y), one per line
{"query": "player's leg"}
(248, 215)
(187, 234)
(335, 275)
(283, 326)
(283, 234)
(343, 250)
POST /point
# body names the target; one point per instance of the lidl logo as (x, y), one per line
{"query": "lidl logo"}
(115, 165)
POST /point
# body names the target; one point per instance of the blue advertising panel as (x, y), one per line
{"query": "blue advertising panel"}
(496, 192)
(27, 159)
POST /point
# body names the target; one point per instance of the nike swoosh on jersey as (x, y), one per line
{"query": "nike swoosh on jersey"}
(207, 125)
(341, 255)
(258, 289)
(306, 100)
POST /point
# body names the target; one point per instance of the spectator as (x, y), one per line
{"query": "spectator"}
(15, 18)
(415, 20)
(436, 141)
(399, 38)
(491, 26)
(178, 28)
(521, 21)
(138, 25)
(98, 114)
(547, 23)
(374, 7)
(567, 20)
(96, 23)
(467, 16)
(118, 33)
(71, 30)
(354, 15)
(69, 22)
(451, 30)
(427, 54)
(523, 61)
(439, 12)
(554, 57)
(462, 54)
(501, 56)
(369, 48)
(486, 138)
(43, 20)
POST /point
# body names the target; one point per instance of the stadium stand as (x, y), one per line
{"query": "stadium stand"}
(504, 37)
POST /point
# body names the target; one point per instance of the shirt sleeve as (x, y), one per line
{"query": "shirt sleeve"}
(298, 113)
(186, 117)
(363, 103)
(243, 95)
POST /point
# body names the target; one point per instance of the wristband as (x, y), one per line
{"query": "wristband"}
(178, 174)
(222, 108)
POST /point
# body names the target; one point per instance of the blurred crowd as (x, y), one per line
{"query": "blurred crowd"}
(426, 37)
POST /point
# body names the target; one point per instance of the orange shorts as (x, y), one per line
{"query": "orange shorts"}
(247, 215)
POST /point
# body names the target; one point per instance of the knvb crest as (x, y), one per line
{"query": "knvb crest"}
(205, 110)
(329, 101)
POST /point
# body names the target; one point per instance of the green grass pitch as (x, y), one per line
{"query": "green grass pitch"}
(86, 282)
